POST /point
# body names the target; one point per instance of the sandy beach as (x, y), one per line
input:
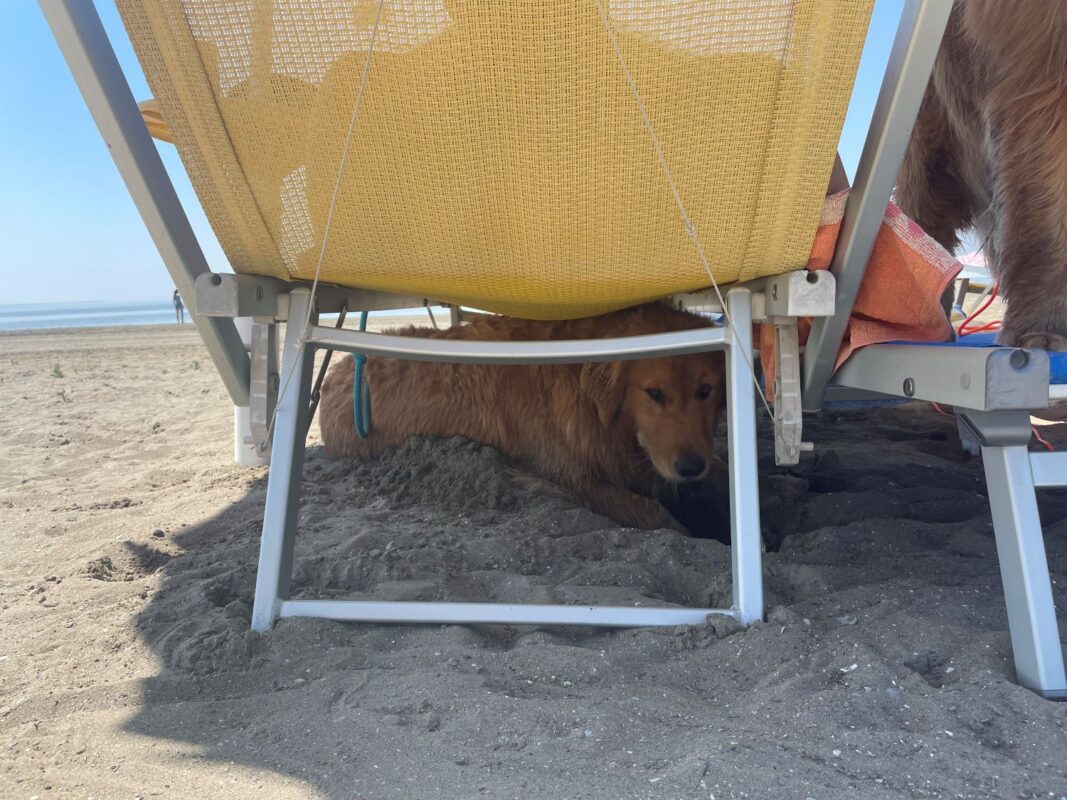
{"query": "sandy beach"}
(127, 668)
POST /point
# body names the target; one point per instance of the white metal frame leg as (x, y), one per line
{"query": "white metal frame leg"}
(286, 470)
(1035, 638)
(747, 540)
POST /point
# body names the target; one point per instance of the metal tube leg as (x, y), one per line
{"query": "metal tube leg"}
(744, 478)
(918, 37)
(1035, 639)
(88, 52)
(286, 468)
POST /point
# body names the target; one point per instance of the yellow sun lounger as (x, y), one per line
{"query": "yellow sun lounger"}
(546, 160)
(498, 159)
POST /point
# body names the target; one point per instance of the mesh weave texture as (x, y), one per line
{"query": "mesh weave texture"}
(499, 159)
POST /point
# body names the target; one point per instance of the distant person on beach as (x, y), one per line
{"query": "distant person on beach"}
(179, 309)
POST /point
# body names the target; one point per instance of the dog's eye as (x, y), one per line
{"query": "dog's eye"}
(655, 394)
(704, 391)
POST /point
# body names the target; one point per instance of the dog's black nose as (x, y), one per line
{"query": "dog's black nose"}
(689, 466)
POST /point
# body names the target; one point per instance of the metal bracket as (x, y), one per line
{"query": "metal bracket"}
(788, 419)
(807, 293)
(225, 295)
(994, 429)
(800, 293)
(264, 382)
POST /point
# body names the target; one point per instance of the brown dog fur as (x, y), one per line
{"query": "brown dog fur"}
(594, 430)
(989, 150)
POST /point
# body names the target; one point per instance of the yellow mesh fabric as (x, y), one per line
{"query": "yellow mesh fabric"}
(499, 159)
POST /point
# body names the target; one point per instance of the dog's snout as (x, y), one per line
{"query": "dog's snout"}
(689, 465)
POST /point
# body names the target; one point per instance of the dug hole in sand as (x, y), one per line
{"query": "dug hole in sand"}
(883, 669)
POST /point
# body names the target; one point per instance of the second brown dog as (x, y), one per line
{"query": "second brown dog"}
(989, 150)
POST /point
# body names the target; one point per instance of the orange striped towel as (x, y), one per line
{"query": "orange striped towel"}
(900, 297)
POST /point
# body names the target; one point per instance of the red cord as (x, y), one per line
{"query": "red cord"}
(964, 329)
(1041, 440)
(942, 411)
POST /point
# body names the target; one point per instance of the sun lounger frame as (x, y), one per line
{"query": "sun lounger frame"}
(1011, 472)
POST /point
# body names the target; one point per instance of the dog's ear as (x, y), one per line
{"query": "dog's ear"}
(601, 384)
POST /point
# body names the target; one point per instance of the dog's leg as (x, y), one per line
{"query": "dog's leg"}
(629, 509)
(1030, 209)
(930, 188)
(620, 505)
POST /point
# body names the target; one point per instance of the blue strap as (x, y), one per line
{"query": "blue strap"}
(361, 390)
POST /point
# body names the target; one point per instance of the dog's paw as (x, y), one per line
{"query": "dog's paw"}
(1037, 340)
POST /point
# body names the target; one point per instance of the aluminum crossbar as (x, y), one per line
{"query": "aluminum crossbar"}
(1049, 469)
(467, 351)
(979, 378)
(498, 613)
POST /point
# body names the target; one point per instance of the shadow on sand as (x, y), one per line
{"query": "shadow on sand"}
(886, 632)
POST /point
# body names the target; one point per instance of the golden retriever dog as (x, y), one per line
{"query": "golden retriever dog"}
(989, 150)
(615, 435)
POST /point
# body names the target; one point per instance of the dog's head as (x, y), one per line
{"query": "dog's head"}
(672, 406)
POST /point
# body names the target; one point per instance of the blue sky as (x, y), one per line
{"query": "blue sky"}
(70, 231)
